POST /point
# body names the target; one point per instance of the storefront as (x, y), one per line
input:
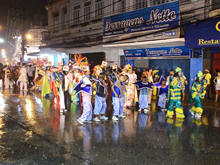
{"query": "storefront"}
(206, 36)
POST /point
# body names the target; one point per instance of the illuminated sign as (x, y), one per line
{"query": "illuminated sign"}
(203, 34)
(156, 17)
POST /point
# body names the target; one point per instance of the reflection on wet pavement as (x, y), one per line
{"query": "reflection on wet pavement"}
(32, 131)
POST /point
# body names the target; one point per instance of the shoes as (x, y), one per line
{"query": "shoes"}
(104, 118)
(163, 110)
(114, 118)
(88, 121)
(140, 110)
(61, 110)
(96, 119)
(121, 116)
(146, 110)
(80, 121)
(169, 114)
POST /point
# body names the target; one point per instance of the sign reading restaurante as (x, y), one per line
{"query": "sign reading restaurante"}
(157, 17)
(203, 34)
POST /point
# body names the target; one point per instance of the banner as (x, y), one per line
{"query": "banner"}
(157, 52)
(203, 34)
(156, 17)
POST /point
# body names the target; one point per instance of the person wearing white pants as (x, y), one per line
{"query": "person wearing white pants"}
(23, 79)
(8, 84)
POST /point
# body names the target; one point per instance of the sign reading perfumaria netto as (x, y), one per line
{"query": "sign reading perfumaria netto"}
(203, 34)
(157, 17)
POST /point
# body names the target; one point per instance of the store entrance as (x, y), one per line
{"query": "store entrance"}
(216, 62)
(95, 58)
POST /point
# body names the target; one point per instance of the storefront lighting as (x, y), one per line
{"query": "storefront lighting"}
(145, 43)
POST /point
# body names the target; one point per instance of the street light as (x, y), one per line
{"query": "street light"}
(28, 36)
(3, 52)
(2, 40)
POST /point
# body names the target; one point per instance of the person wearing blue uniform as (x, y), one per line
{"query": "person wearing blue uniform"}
(100, 98)
(85, 85)
(118, 96)
(144, 87)
(163, 92)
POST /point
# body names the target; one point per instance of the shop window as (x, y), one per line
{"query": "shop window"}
(99, 8)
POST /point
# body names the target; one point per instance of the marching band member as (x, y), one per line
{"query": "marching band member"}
(85, 87)
(100, 98)
(118, 95)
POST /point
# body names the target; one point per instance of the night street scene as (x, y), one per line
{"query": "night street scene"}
(110, 82)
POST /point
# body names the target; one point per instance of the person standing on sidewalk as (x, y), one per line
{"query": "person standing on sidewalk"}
(217, 85)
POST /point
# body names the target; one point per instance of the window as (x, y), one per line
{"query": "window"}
(122, 5)
(140, 4)
(64, 15)
(114, 4)
(55, 21)
(87, 9)
(99, 8)
(56, 18)
(158, 2)
(76, 13)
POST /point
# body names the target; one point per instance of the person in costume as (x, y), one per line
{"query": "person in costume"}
(85, 87)
(163, 92)
(100, 98)
(118, 96)
(8, 82)
(68, 79)
(46, 84)
(176, 94)
(131, 96)
(197, 95)
(144, 88)
(207, 81)
(77, 76)
(57, 88)
(23, 78)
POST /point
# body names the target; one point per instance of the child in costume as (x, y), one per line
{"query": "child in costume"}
(100, 98)
(176, 95)
(197, 95)
(118, 95)
(131, 88)
(163, 92)
(86, 89)
(144, 88)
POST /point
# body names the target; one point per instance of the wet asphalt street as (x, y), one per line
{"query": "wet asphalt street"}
(32, 131)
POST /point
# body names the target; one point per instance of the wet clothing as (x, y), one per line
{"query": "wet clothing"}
(197, 95)
(175, 98)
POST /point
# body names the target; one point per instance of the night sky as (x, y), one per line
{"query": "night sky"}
(32, 12)
(31, 8)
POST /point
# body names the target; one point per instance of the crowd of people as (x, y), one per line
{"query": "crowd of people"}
(126, 87)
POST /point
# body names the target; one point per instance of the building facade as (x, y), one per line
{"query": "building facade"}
(77, 26)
